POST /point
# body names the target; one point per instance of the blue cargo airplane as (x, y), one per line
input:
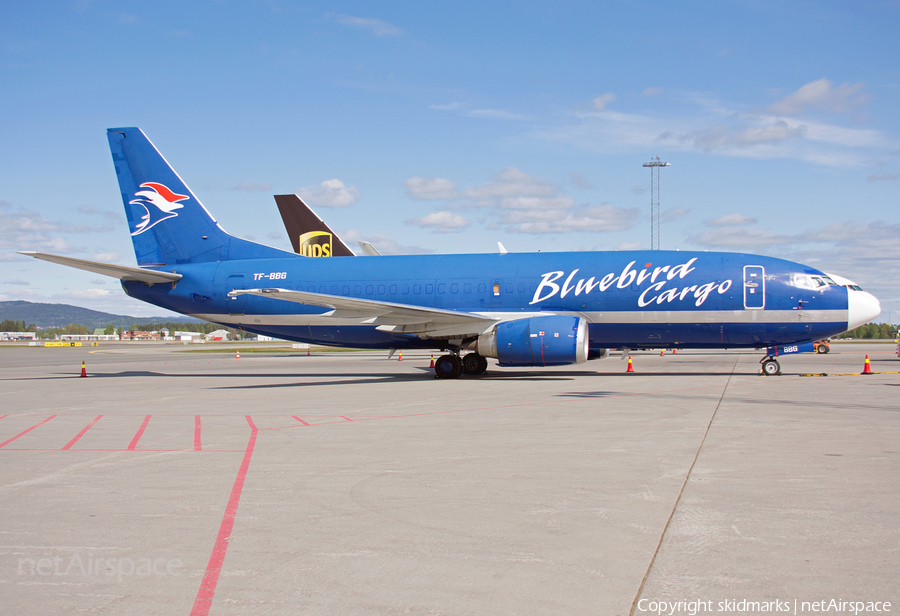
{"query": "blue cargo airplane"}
(541, 309)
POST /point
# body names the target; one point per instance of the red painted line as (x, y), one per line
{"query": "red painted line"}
(197, 433)
(2, 416)
(211, 578)
(305, 423)
(139, 434)
(8, 441)
(80, 434)
(142, 450)
(345, 418)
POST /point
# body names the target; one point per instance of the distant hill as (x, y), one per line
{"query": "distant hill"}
(60, 315)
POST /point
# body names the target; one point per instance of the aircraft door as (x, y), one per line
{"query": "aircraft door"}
(236, 305)
(496, 292)
(754, 287)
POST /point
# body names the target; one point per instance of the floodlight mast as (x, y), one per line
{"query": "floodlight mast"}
(654, 165)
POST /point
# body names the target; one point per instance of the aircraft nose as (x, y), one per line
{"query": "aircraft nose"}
(862, 307)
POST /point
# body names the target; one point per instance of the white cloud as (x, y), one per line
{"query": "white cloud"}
(579, 181)
(628, 246)
(330, 193)
(519, 203)
(106, 257)
(466, 110)
(600, 102)
(735, 238)
(441, 222)
(822, 95)
(884, 177)
(695, 122)
(430, 188)
(17, 282)
(653, 91)
(674, 213)
(384, 244)
(500, 114)
(88, 294)
(512, 183)
(596, 218)
(376, 26)
(731, 220)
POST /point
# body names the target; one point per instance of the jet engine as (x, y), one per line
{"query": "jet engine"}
(538, 341)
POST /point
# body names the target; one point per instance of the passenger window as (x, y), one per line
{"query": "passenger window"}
(334, 289)
(393, 289)
(370, 289)
(482, 287)
(381, 289)
(521, 287)
(417, 289)
(429, 289)
(454, 288)
(496, 289)
(406, 289)
(357, 290)
(346, 290)
(442, 288)
(467, 288)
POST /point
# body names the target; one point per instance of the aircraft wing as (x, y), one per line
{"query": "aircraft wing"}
(397, 318)
(368, 249)
(122, 272)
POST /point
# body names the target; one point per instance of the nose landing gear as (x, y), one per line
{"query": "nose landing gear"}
(770, 366)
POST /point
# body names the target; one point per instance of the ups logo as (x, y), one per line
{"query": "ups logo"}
(316, 244)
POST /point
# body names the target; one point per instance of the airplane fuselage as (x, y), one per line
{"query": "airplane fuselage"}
(629, 299)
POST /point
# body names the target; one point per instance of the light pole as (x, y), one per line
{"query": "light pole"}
(654, 165)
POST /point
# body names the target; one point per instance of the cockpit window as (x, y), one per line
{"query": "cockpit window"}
(805, 281)
(854, 287)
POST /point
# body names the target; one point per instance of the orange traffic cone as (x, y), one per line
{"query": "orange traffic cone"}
(630, 367)
(237, 355)
(83, 370)
(867, 369)
(400, 358)
(662, 352)
(432, 362)
(307, 351)
(674, 351)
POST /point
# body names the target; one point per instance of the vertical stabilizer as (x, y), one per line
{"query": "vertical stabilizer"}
(168, 224)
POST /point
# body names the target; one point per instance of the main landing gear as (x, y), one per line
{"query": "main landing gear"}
(770, 366)
(450, 366)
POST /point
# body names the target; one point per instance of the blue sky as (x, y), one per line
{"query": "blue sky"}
(447, 127)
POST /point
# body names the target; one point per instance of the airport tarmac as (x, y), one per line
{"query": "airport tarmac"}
(346, 483)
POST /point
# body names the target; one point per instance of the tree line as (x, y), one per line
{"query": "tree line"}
(871, 331)
(10, 325)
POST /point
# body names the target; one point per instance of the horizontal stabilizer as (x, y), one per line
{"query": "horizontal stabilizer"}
(121, 272)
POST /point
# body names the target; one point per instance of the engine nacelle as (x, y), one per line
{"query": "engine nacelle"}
(538, 341)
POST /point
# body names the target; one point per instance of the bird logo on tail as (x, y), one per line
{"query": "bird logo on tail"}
(164, 202)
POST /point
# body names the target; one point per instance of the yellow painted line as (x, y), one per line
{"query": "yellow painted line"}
(848, 374)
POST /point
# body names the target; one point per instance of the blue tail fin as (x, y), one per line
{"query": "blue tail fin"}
(168, 223)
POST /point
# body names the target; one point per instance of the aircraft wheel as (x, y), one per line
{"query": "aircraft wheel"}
(771, 367)
(473, 363)
(822, 349)
(447, 367)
